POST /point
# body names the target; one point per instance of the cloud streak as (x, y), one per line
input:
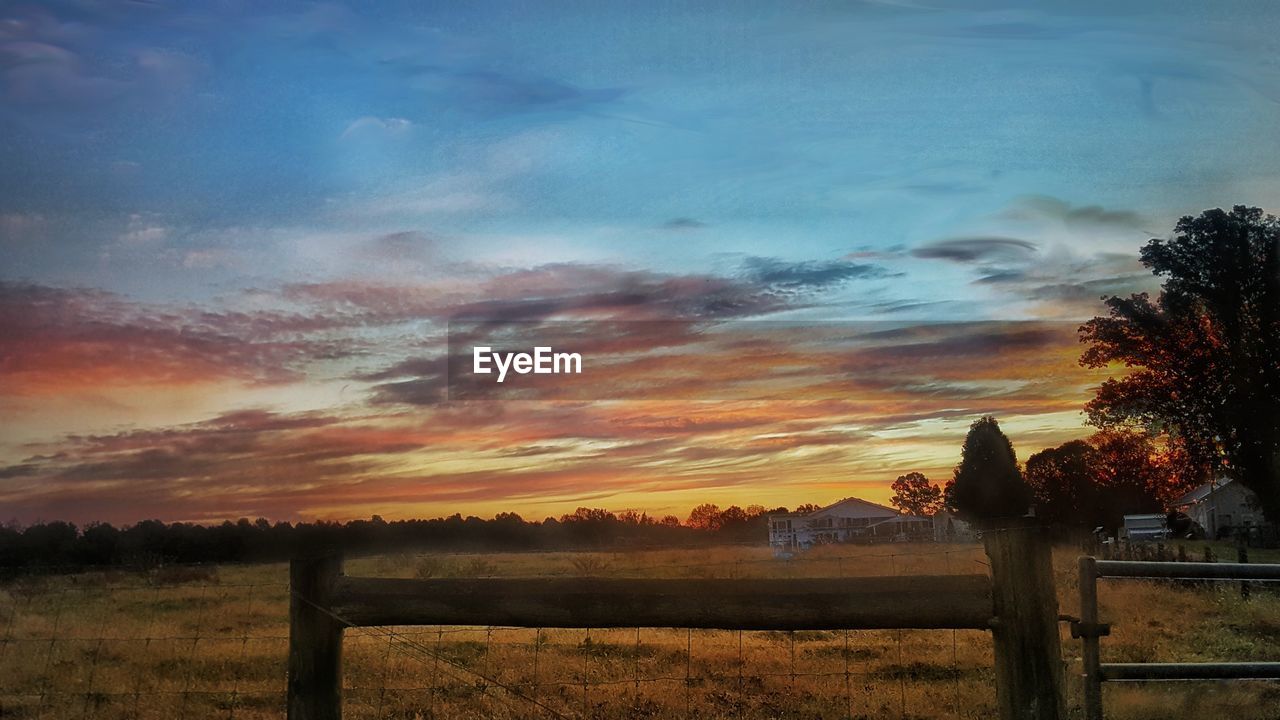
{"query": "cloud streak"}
(59, 340)
(976, 250)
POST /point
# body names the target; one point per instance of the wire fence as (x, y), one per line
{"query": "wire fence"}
(198, 642)
(96, 645)
(660, 673)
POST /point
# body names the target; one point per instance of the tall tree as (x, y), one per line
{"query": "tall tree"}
(1204, 357)
(987, 484)
(913, 494)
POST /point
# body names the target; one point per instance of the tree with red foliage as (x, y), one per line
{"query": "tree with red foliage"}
(1204, 357)
(1097, 482)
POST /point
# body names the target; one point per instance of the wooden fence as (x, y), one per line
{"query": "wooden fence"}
(1017, 603)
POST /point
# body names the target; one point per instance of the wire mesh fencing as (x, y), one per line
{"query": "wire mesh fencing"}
(643, 672)
(178, 641)
(184, 641)
(624, 673)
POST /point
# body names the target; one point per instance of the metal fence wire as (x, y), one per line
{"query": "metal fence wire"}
(121, 644)
(655, 672)
(664, 673)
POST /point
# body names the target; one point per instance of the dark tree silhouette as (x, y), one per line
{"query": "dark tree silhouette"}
(1205, 356)
(1064, 481)
(987, 484)
(913, 494)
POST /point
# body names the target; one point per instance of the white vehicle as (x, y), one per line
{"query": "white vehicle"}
(1148, 526)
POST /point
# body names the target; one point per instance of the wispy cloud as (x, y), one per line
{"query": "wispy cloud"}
(809, 275)
(683, 223)
(376, 126)
(59, 340)
(1075, 217)
(487, 90)
(976, 249)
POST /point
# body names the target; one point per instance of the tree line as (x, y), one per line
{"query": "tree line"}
(151, 542)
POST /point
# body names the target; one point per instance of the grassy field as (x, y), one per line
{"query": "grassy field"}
(212, 642)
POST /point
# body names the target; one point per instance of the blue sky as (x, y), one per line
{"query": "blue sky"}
(209, 164)
(591, 131)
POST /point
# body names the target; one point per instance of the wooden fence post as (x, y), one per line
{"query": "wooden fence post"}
(1028, 655)
(1242, 556)
(315, 638)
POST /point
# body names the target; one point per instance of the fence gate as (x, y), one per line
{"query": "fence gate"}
(1089, 630)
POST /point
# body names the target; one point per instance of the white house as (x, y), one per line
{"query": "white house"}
(1216, 506)
(848, 520)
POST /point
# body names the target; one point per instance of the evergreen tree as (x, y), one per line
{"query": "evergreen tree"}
(987, 484)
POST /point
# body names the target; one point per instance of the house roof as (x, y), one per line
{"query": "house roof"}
(1200, 493)
(837, 504)
(854, 500)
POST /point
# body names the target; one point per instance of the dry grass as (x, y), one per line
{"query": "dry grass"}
(213, 644)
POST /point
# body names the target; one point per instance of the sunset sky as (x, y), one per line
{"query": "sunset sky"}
(234, 234)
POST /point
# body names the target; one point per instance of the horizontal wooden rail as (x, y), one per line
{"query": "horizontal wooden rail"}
(1191, 671)
(1016, 603)
(1187, 570)
(866, 603)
